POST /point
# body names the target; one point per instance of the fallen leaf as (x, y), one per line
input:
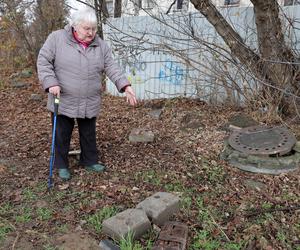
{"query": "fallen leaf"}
(2, 168)
(63, 186)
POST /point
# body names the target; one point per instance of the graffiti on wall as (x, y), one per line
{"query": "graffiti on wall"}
(141, 67)
(134, 67)
(135, 79)
(172, 72)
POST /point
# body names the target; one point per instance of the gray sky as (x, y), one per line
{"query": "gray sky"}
(75, 4)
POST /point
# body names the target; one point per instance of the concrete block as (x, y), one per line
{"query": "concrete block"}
(130, 220)
(160, 207)
(108, 245)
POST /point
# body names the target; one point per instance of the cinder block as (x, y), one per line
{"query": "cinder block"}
(130, 220)
(160, 207)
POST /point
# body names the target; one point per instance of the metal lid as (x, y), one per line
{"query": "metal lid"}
(262, 140)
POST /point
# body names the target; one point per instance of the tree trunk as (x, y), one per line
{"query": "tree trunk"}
(103, 7)
(271, 42)
(267, 66)
(118, 8)
(102, 14)
(229, 35)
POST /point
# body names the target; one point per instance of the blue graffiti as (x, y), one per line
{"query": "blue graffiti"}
(171, 72)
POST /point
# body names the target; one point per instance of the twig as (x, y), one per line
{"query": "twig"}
(218, 226)
(168, 11)
(271, 210)
(15, 241)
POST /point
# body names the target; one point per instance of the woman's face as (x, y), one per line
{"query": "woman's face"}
(86, 31)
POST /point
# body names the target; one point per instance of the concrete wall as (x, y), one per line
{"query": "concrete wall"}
(139, 46)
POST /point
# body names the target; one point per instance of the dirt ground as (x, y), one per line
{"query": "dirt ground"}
(223, 207)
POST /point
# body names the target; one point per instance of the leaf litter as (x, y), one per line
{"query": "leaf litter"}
(217, 205)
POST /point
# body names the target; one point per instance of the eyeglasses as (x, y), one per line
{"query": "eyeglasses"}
(89, 29)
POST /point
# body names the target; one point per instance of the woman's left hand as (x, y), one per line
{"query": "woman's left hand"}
(130, 96)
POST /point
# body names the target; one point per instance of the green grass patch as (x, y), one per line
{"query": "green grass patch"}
(234, 246)
(215, 174)
(186, 204)
(4, 230)
(203, 240)
(25, 216)
(266, 205)
(204, 216)
(286, 195)
(69, 207)
(63, 228)
(41, 187)
(175, 186)
(95, 220)
(149, 176)
(128, 243)
(29, 194)
(150, 238)
(6, 208)
(44, 213)
(55, 196)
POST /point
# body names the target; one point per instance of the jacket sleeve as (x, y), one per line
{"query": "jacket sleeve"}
(45, 63)
(113, 71)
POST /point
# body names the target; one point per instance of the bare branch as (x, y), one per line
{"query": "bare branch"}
(169, 9)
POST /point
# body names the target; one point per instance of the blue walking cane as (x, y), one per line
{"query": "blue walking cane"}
(52, 156)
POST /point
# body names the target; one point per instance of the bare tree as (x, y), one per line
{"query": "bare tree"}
(266, 64)
(270, 68)
(13, 11)
(45, 20)
(30, 22)
(118, 8)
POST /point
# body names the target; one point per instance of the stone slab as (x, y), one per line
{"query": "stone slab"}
(133, 221)
(297, 147)
(36, 97)
(160, 207)
(241, 120)
(141, 135)
(255, 185)
(192, 120)
(155, 113)
(18, 85)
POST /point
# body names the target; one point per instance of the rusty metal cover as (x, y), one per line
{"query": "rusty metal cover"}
(262, 140)
(173, 236)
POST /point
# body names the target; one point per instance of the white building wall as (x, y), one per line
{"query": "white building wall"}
(162, 6)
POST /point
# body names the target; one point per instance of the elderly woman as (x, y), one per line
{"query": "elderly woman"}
(70, 66)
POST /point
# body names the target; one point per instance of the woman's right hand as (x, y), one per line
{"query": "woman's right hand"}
(55, 91)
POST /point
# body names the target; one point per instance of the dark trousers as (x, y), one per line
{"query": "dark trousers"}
(87, 137)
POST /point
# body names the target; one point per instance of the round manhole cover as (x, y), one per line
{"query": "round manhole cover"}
(262, 140)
